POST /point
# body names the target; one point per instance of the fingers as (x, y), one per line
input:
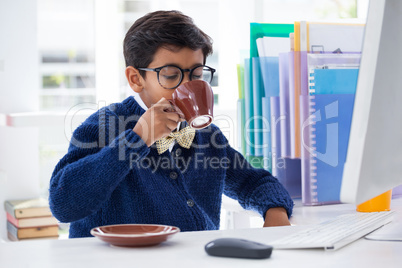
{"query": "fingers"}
(164, 119)
(173, 116)
(171, 125)
(164, 104)
(168, 108)
(158, 121)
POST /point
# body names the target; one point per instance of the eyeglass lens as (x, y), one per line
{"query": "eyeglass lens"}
(171, 76)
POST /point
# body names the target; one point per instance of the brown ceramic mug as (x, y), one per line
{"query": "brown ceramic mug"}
(195, 100)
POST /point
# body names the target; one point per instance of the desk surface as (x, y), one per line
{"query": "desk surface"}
(187, 249)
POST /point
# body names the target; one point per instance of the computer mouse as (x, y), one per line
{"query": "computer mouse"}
(238, 248)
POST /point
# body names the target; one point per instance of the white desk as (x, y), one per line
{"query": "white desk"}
(187, 249)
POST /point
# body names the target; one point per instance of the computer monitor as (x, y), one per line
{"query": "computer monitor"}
(374, 158)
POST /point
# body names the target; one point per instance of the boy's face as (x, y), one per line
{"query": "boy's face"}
(184, 58)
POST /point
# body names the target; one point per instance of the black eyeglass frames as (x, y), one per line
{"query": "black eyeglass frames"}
(170, 76)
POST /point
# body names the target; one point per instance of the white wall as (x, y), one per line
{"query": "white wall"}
(19, 83)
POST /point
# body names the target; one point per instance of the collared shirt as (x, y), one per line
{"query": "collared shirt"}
(143, 106)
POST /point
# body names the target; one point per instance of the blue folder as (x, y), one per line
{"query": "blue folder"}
(270, 79)
(335, 81)
(332, 93)
(332, 128)
(275, 133)
(258, 94)
(270, 75)
(267, 148)
(249, 111)
(284, 104)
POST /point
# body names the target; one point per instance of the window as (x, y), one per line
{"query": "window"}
(66, 52)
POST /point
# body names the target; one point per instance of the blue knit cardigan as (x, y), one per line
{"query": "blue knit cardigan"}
(110, 176)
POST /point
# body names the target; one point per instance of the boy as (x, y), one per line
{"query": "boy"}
(115, 171)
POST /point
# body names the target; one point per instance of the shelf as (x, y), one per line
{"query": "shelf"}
(67, 92)
(67, 68)
(40, 119)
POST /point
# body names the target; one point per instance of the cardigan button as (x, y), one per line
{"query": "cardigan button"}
(178, 152)
(173, 175)
(190, 203)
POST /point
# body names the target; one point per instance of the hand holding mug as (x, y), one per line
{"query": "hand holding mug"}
(157, 122)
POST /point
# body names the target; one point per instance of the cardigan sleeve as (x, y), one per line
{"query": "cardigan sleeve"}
(93, 167)
(255, 189)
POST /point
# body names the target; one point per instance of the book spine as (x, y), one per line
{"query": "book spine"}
(12, 229)
(11, 219)
(9, 208)
(34, 232)
(37, 232)
(29, 208)
(11, 237)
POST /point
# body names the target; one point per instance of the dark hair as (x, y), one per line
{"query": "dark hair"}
(169, 29)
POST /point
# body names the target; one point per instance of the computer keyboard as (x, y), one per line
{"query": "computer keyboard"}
(335, 233)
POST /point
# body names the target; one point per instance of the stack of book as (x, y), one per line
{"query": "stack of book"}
(30, 218)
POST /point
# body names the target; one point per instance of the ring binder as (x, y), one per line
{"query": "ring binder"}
(327, 113)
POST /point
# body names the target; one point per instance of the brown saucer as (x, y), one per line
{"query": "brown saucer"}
(134, 235)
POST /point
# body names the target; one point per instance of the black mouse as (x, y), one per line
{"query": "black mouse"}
(238, 248)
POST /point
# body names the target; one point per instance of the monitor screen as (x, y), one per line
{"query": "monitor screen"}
(374, 158)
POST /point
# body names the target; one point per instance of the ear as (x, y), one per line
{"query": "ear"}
(134, 79)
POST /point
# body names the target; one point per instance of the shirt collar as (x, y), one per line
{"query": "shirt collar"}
(139, 100)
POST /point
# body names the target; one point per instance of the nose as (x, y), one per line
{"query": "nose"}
(186, 78)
